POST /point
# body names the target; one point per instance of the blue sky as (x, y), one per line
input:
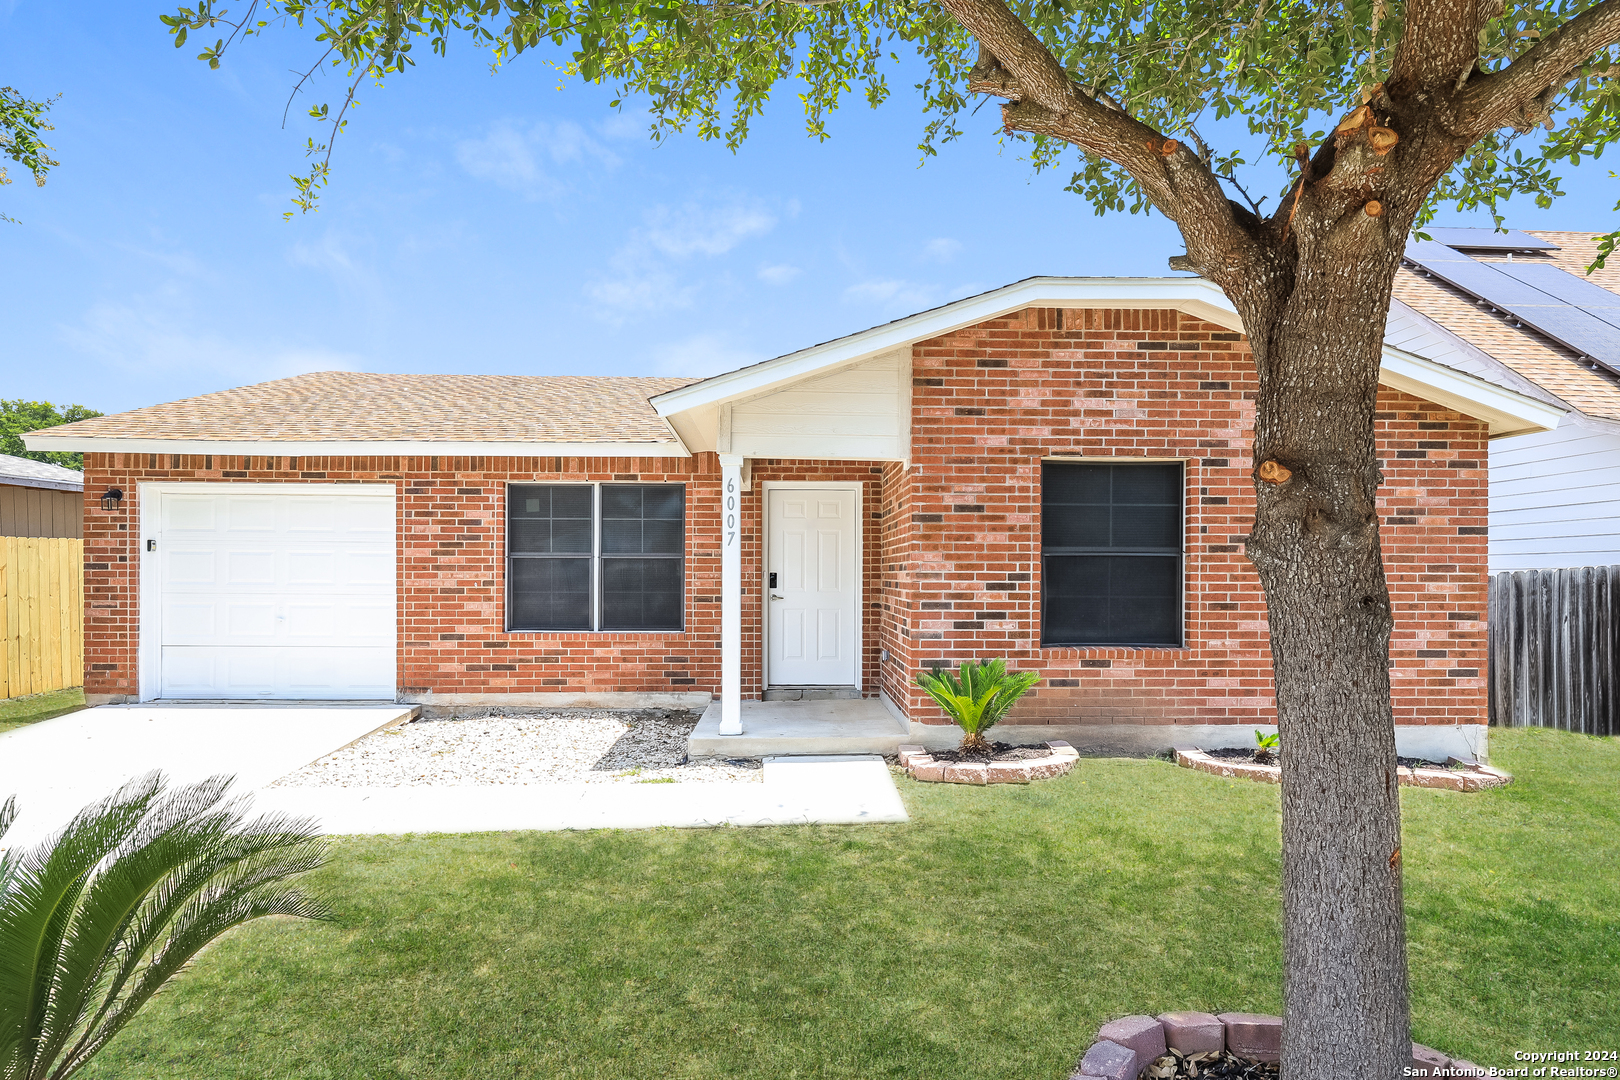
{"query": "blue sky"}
(495, 224)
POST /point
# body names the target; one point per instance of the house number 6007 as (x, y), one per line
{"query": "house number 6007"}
(731, 511)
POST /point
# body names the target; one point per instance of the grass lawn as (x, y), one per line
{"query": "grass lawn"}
(18, 711)
(987, 938)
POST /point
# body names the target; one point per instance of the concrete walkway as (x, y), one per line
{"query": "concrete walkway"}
(795, 791)
(57, 766)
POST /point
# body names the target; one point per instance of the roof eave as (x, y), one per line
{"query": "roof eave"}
(104, 444)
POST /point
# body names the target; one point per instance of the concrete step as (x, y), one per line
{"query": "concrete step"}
(790, 728)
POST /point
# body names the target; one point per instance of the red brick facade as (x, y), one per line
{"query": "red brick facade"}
(951, 550)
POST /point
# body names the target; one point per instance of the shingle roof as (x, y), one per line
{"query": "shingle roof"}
(346, 406)
(26, 472)
(1542, 361)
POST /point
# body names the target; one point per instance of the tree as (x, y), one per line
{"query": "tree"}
(1419, 100)
(18, 416)
(97, 919)
(21, 122)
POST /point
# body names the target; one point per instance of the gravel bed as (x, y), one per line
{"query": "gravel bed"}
(565, 746)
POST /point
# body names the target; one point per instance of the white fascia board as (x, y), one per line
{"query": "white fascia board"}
(1507, 412)
(1195, 296)
(106, 445)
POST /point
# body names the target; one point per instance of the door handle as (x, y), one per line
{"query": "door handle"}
(777, 596)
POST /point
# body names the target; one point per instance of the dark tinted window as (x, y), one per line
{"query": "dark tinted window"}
(1111, 553)
(553, 556)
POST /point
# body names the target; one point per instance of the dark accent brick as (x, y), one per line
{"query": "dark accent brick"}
(967, 508)
(1433, 654)
(1473, 530)
(1462, 673)
(1217, 462)
(1434, 444)
(1463, 616)
(1409, 455)
(969, 412)
(1460, 464)
(967, 624)
(1062, 682)
(927, 519)
(1226, 337)
(935, 605)
(1434, 425)
(991, 362)
(1097, 663)
(452, 637)
(312, 475)
(1214, 386)
(992, 616)
(927, 382)
(1144, 346)
(1213, 500)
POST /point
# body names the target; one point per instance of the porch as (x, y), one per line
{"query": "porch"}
(793, 728)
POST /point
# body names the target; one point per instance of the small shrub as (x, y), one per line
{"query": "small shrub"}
(979, 699)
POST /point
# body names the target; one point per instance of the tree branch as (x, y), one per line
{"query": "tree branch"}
(1520, 95)
(1044, 100)
(1439, 42)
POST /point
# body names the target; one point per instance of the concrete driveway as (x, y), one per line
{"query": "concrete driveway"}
(55, 767)
(58, 766)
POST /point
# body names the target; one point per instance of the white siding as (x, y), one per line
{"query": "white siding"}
(1555, 500)
(857, 413)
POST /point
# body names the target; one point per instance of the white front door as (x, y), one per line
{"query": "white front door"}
(275, 594)
(812, 548)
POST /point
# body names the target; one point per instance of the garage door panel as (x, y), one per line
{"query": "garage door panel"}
(252, 514)
(289, 595)
(189, 514)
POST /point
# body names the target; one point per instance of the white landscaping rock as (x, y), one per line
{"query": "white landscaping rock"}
(573, 747)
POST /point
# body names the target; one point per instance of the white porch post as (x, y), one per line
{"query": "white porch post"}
(731, 594)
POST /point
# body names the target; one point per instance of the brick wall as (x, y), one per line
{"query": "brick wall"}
(991, 401)
(951, 544)
(451, 572)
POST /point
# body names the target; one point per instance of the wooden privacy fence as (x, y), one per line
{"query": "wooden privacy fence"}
(1554, 648)
(41, 614)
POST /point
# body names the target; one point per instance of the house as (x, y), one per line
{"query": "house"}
(1520, 310)
(1057, 472)
(38, 499)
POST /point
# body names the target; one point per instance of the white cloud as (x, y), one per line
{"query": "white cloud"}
(890, 293)
(702, 354)
(645, 275)
(699, 230)
(154, 335)
(516, 157)
(780, 274)
(941, 249)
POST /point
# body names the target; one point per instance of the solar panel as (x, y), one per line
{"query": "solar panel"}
(1574, 312)
(1490, 240)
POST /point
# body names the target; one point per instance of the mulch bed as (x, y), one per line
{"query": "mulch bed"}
(1209, 1065)
(1000, 751)
(1253, 757)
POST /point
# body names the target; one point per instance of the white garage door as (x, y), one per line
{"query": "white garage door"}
(276, 595)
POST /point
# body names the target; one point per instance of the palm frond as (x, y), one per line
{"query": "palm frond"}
(981, 697)
(97, 918)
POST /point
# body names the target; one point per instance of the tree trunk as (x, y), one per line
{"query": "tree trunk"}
(1317, 333)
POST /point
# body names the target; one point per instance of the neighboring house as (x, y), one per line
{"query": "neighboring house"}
(1057, 472)
(39, 499)
(1519, 309)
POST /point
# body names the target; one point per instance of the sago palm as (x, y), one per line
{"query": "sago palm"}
(97, 918)
(979, 699)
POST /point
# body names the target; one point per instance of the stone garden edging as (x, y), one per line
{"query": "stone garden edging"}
(1470, 776)
(922, 765)
(1140, 1046)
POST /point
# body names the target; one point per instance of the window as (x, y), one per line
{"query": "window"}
(1111, 553)
(596, 557)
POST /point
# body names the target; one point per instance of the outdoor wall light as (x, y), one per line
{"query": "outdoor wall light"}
(111, 500)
